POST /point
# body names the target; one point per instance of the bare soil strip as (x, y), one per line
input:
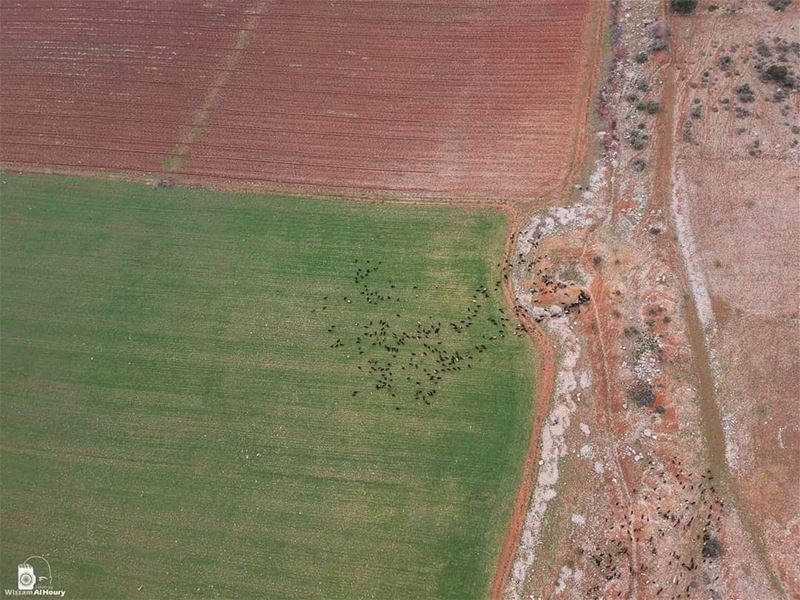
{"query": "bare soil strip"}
(546, 368)
(546, 352)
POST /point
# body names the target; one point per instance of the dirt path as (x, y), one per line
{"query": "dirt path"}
(711, 419)
(545, 382)
(545, 349)
(594, 39)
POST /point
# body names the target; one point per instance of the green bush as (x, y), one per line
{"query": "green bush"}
(779, 4)
(683, 6)
(777, 72)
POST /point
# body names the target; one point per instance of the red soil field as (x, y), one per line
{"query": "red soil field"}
(98, 85)
(470, 98)
(433, 98)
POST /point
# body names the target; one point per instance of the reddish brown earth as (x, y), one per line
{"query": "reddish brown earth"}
(456, 99)
(447, 99)
(739, 181)
(489, 99)
(106, 86)
(545, 377)
(678, 460)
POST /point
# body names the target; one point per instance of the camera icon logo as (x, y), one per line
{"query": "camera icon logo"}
(26, 578)
(34, 575)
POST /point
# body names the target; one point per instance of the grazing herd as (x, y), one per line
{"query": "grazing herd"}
(409, 358)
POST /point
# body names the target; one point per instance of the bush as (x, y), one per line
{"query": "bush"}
(637, 138)
(688, 136)
(711, 546)
(658, 45)
(683, 7)
(642, 395)
(779, 4)
(745, 93)
(778, 73)
(652, 107)
(642, 58)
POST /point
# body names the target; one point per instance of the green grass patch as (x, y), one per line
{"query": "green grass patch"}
(174, 415)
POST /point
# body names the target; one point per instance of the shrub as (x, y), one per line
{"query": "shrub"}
(683, 7)
(779, 4)
(642, 58)
(711, 546)
(637, 138)
(688, 136)
(642, 395)
(745, 93)
(777, 73)
(652, 107)
(658, 45)
(725, 62)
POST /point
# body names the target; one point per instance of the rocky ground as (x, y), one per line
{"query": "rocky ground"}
(667, 282)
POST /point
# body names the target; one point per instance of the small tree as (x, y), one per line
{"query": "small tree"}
(777, 73)
(683, 7)
(779, 4)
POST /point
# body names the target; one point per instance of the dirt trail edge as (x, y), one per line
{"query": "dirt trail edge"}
(545, 381)
(544, 344)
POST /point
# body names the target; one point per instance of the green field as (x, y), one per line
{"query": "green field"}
(194, 401)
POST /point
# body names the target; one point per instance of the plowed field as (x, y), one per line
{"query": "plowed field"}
(106, 85)
(420, 98)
